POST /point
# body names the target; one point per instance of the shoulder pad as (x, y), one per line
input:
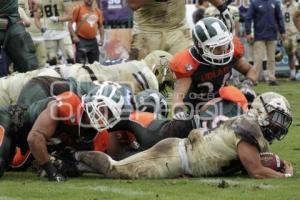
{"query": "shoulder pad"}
(183, 64)
(248, 130)
(69, 108)
(238, 47)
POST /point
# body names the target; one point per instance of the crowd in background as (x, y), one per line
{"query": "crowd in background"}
(61, 35)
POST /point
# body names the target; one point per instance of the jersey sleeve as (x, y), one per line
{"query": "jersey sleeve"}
(239, 49)
(248, 130)
(69, 108)
(183, 65)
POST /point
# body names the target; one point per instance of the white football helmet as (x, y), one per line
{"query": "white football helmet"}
(273, 113)
(103, 105)
(213, 41)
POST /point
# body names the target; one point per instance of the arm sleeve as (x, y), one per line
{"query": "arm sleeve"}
(182, 65)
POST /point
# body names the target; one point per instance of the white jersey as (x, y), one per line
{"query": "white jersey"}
(288, 11)
(210, 153)
(34, 32)
(135, 74)
(52, 8)
(212, 11)
(207, 153)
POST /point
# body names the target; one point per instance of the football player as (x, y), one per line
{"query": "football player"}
(289, 8)
(52, 23)
(138, 75)
(35, 33)
(73, 118)
(161, 24)
(212, 11)
(208, 153)
(203, 69)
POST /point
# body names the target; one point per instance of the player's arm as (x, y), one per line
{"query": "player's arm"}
(250, 158)
(67, 15)
(296, 19)
(136, 4)
(101, 28)
(246, 69)
(42, 130)
(181, 88)
(37, 17)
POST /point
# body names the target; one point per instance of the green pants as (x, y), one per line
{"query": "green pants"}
(19, 47)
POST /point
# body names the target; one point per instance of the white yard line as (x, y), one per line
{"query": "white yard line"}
(123, 191)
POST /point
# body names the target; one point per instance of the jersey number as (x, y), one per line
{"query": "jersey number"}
(51, 10)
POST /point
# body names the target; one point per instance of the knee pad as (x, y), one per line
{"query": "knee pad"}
(52, 61)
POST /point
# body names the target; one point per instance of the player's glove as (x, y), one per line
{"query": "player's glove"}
(180, 114)
(226, 17)
(54, 19)
(52, 173)
(247, 90)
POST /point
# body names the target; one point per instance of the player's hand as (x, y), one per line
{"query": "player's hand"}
(100, 43)
(288, 168)
(250, 39)
(247, 90)
(54, 19)
(284, 37)
(75, 39)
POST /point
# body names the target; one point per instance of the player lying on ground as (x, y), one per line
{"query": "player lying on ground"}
(144, 126)
(208, 153)
(136, 74)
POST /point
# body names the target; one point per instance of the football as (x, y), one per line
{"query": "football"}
(272, 161)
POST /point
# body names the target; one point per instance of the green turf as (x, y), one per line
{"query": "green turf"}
(93, 187)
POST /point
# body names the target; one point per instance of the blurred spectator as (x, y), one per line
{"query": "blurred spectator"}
(266, 16)
(296, 20)
(288, 9)
(88, 20)
(28, 17)
(14, 40)
(54, 15)
(116, 14)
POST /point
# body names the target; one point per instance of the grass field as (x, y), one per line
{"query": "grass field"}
(17, 186)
